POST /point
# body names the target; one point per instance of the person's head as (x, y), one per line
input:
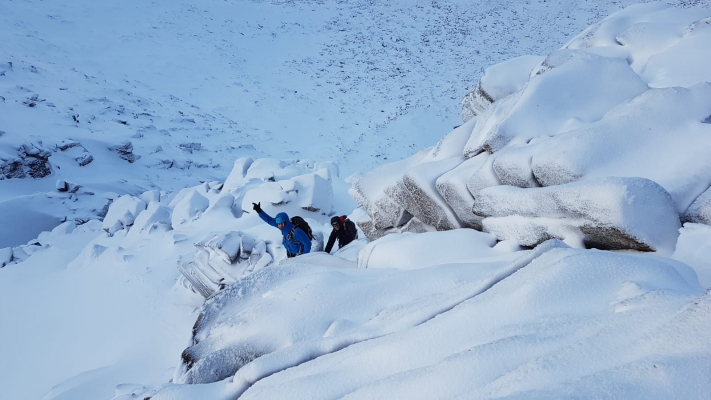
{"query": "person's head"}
(281, 219)
(336, 222)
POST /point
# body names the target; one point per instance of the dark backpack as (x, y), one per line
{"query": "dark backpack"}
(350, 227)
(300, 223)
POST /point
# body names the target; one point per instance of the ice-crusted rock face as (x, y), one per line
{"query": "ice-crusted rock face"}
(628, 98)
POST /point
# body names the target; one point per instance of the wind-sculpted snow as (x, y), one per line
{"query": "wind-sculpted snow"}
(523, 327)
(239, 334)
(629, 97)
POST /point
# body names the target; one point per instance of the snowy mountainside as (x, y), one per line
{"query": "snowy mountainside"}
(194, 85)
(103, 309)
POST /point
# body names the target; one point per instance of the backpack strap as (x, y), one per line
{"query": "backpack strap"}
(290, 237)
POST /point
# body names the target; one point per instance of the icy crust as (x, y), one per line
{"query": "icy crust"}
(630, 97)
(608, 213)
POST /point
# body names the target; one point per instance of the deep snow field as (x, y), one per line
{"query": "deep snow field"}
(555, 244)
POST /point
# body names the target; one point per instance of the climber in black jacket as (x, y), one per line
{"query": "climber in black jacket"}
(343, 229)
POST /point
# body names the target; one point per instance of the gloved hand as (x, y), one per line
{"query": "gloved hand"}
(257, 207)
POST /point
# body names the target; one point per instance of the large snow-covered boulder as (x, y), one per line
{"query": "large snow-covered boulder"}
(395, 192)
(608, 213)
(497, 82)
(660, 135)
(238, 176)
(571, 88)
(123, 212)
(629, 97)
(457, 196)
(189, 207)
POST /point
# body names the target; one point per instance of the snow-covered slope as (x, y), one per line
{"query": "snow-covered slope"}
(226, 103)
(194, 85)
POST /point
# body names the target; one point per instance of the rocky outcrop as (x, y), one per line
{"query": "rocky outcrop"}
(30, 161)
(77, 151)
(606, 105)
(125, 151)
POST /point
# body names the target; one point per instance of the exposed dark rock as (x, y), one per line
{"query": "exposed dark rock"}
(31, 161)
(125, 151)
(190, 147)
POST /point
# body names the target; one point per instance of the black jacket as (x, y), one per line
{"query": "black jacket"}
(346, 233)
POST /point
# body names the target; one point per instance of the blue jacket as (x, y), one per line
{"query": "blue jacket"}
(303, 244)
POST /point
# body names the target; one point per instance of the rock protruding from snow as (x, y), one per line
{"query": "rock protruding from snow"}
(125, 151)
(76, 151)
(700, 209)
(25, 161)
(609, 213)
(498, 82)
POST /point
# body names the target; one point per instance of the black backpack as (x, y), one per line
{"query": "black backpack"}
(300, 223)
(351, 228)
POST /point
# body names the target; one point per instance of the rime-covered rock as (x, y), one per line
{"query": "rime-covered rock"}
(608, 213)
(700, 209)
(154, 217)
(428, 205)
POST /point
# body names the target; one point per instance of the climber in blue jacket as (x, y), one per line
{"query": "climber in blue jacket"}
(296, 241)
